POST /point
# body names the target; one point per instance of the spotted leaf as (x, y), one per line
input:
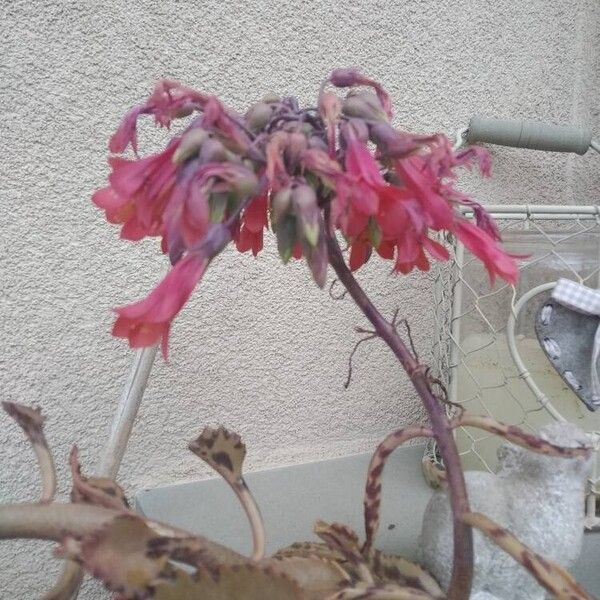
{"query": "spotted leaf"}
(550, 575)
(388, 568)
(222, 450)
(100, 491)
(318, 577)
(117, 555)
(243, 582)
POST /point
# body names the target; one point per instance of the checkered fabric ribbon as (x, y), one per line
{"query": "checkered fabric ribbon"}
(586, 301)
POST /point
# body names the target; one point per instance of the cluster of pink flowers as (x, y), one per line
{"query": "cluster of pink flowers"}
(340, 166)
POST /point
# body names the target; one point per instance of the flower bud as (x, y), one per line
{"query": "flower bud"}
(271, 99)
(330, 107)
(258, 116)
(213, 151)
(307, 213)
(217, 203)
(280, 204)
(295, 147)
(245, 184)
(356, 129)
(393, 143)
(317, 142)
(346, 77)
(364, 105)
(190, 144)
(183, 111)
(286, 238)
(318, 259)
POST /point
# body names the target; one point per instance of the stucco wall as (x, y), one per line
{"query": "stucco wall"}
(259, 348)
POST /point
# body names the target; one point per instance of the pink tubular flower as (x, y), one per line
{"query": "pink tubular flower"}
(254, 221)
(169, 101)
(484, 247)
(326, 168)
(146, 322)
(127, 132)
(477, 154)
(357, 189)
(424, 184)
(276, 172)
(138, 193)
(330, 109)
(217, 118)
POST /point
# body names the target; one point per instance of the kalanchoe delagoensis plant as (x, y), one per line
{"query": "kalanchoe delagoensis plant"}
(313, 175)
(137, 558)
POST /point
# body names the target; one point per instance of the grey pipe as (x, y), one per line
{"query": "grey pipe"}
(529, 134)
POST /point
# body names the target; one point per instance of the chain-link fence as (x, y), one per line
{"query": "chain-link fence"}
(486, 351)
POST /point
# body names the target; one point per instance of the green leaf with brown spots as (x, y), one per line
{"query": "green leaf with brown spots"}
(117, 555)
(517, 436)
(308, 549)
(550, 575)
(340, 538)
(225, 453)
(244, 582)
(388, 568)
(100, 491)
(31, 421)
(222, 450)
(363, 591)
(129, 554)
(372, 497)
(318, 577)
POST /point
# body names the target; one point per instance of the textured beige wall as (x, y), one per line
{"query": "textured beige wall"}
(258, 348)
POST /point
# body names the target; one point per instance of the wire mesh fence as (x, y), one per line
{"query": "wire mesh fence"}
(487, 353)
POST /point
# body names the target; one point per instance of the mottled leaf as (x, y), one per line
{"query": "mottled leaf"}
(117, 555)
(129, 555)
(388, 568)
(100, 491)
(310, 549)
(222, 450)
(68, 583)
(550, 575)
(343, 539)
(225, 453)
(340, 538)
(362, 591)
(318, 577)
(31, 422)
(247, 582)
(519, 437)
(372, 498)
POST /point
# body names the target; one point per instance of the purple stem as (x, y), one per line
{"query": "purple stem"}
(462, 570)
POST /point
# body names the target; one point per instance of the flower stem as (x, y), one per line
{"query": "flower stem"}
(462, 570)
